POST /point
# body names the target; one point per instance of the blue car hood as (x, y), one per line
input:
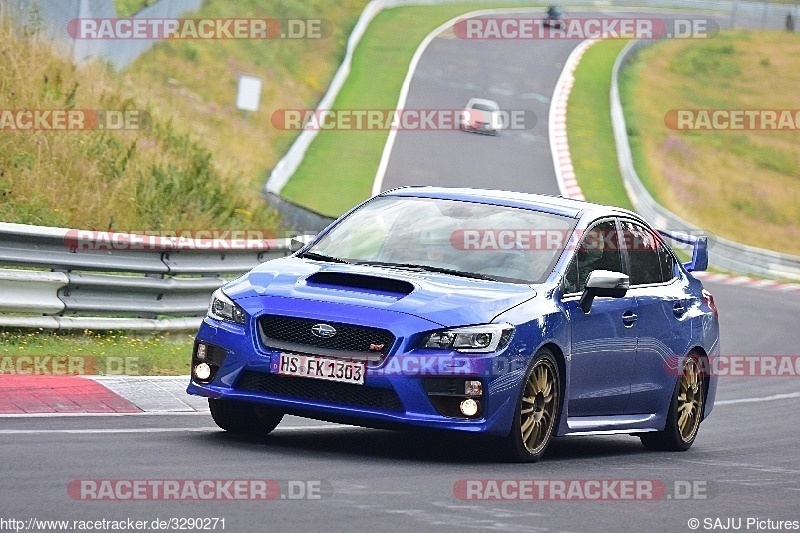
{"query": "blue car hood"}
(440, 298)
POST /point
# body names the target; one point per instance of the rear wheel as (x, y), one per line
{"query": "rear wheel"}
(537, 410)
(685, 411)
(244, 418)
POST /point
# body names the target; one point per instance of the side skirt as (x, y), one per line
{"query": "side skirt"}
(610, 425)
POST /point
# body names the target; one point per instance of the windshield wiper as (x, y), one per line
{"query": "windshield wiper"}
(429, 268)
(322, 257)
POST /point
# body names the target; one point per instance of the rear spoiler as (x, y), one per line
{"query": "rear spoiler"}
(699, 246)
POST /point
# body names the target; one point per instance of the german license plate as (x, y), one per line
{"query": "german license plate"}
(311, 366)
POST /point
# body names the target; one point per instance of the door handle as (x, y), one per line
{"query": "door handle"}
(628, 318)
(678, 309)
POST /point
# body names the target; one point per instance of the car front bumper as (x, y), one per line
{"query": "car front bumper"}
(412, 388)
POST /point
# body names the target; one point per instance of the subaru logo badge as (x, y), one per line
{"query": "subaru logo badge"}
(323, 330)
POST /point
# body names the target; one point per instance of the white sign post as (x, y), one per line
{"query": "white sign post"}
(248, 96)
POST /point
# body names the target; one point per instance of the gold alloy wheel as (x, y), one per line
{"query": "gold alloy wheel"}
(539, 403)
(690, 400)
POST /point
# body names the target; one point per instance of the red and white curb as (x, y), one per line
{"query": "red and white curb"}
(745, 281)
(49, 395)
(155, 394)
(557, 124)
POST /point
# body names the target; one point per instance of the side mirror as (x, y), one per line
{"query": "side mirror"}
(300, 241)
(604, 283)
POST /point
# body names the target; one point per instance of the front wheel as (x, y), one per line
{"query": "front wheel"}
(537, 410)
(244, 418)
(685, 411)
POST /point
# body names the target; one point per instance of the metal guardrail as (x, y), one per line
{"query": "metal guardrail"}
(136, 288)
(723, 254)
(116, 281)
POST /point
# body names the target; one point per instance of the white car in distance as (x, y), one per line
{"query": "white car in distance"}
(482, 116)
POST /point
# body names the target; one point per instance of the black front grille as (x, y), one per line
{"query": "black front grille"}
(278, 330)
(444, 386)
(329, 392)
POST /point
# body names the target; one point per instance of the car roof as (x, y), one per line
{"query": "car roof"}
(557, 205)
(484, 101)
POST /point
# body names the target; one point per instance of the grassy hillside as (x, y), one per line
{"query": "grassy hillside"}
(201, 163)
(742, 185)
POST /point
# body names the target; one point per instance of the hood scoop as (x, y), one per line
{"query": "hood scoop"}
(360, 283)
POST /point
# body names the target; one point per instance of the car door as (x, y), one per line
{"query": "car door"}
(603, 341)
(662, 304)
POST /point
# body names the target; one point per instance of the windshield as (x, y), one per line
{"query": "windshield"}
(483, 107)
(457, 237)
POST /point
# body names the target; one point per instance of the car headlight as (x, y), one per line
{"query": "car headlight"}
(224, 309)
(473, 339)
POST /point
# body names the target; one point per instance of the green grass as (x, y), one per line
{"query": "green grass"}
(751, 175)
(89, 352)
(128, 8)
(198, 147)
(96, 179)
(591, 138)
(339, 168)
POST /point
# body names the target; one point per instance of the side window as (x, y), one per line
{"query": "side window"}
(643, 254)
(599, 250)
(667, 263)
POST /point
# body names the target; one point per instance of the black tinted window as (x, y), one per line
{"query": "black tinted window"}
(599, 250)
(643, 254)
(667, 262)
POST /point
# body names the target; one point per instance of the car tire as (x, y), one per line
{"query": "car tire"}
(689, 397)
(537, 411)
(244, 418)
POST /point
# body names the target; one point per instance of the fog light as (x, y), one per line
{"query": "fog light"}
(469, 407)
(201, 351)
(473, 388)
(202, 371)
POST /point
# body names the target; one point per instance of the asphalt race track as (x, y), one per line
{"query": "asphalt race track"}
(521, 75)
(744, 464)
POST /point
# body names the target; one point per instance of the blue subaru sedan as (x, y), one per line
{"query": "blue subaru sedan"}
(515, 316)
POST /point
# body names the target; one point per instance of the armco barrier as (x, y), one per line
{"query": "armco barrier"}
(116, 285)
(140, 287)
(723, 254)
